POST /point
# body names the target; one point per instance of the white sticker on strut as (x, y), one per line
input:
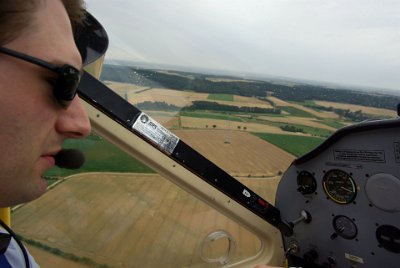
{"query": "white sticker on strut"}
(156, 133)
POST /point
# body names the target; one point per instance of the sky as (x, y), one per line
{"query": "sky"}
(349, 42)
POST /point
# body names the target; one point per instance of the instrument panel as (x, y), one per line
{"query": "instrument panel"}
(350, 188)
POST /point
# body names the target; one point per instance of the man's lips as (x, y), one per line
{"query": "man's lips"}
(49, 159)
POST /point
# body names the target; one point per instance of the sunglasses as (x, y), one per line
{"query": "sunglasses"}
(68, 76)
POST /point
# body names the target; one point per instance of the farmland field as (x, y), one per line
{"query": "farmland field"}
(185, 98)
(279, 102)
(201, 123)
(94, 149)
(237, 152)
(311, 122)
(296, 145)
(124, 89)
(174, 97)
(352, 107)
(149, 223)
(251, 102)
(223, 97)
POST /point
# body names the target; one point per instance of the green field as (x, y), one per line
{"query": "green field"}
(332, 123)
(296, 112)
(221, 97)
(101, 156)
(319, 132)
(296, 145)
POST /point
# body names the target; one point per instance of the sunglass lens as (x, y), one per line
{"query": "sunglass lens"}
(67, 84)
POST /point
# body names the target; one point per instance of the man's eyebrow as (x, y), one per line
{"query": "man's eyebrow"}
(60, 62)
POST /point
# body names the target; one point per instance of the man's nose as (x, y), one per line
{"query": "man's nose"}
(74, 122)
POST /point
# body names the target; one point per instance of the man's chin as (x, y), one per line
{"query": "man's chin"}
(37, 190)
(42, 187)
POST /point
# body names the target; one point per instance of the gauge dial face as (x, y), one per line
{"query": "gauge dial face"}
(339, 186)
(306, 183)
(345, 227)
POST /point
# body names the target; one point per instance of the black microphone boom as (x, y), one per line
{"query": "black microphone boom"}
(69, 158)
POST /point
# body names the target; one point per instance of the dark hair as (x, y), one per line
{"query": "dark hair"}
(75, 10)
(15, 15)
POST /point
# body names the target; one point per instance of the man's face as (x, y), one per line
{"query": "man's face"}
(32, 124)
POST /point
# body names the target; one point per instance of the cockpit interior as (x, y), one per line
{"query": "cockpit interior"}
(220, 167)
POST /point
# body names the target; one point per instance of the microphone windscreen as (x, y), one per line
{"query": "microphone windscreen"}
(69, 158)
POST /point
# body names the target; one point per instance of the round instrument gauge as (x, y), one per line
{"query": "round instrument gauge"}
(344, 227)
(339, 186)
(306, 182)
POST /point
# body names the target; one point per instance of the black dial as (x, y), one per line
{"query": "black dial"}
(306, 183)
(344, 227)
(339, 186)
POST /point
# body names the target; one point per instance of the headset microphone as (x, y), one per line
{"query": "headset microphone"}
(69, 158)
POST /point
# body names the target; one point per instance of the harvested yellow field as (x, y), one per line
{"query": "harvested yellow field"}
(124, 88)
(47, 260)
(279, 102)
(244, 102)
(190, 76)
(185, 98)
(237, 152)
(175, 97)
(128, 220)
(168, 121)
(202, 123)
(305, 121)
(250, 101)
(353, 108)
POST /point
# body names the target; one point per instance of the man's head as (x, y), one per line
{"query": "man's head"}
(15, 15)
(32, 123)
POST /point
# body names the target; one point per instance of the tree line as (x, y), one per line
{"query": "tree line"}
(215, 106)
(157, 106)
(200, 83)
(204, 105)
(356, 116)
